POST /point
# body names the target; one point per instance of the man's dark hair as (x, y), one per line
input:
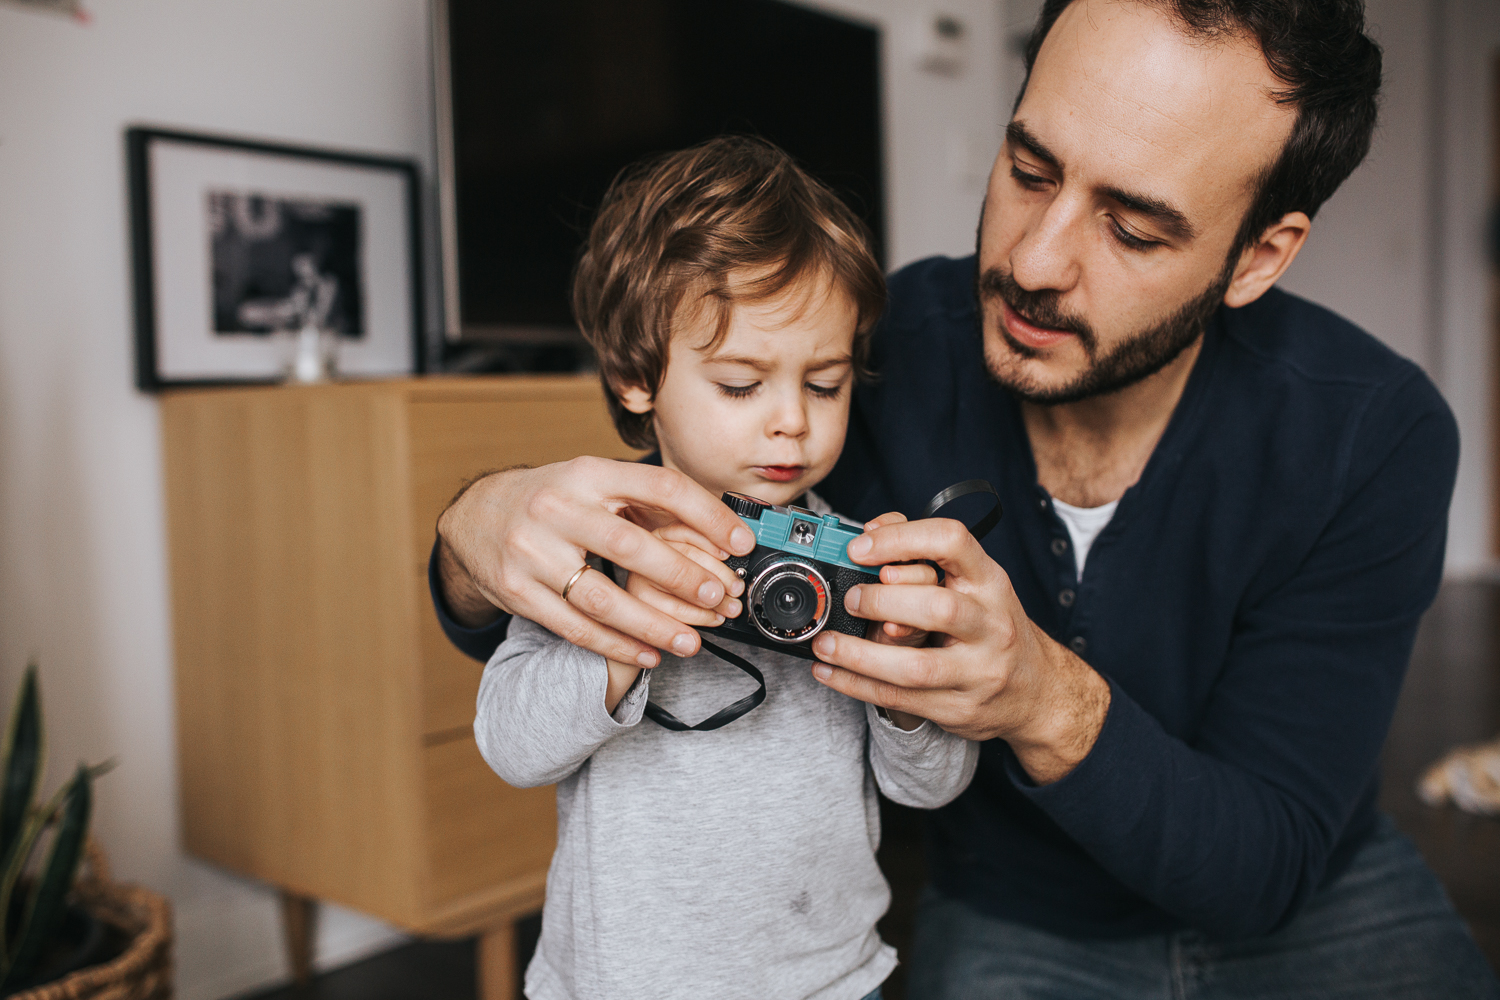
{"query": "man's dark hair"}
(1331, 69)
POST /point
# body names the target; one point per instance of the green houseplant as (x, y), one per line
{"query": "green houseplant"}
(35, 885)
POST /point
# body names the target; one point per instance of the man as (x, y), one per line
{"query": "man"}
(1225, 514)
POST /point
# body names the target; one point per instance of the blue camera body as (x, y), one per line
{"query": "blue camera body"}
(795, 579)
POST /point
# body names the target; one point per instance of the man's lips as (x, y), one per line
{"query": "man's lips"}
(780, 473)
(1030, 334)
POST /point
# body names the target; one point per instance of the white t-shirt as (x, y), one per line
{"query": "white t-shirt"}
(1084, 525)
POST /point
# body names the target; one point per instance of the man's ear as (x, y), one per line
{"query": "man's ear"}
(1264, 263)
(635, 398)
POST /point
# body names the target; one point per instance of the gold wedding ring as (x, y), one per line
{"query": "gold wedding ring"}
(574, 579)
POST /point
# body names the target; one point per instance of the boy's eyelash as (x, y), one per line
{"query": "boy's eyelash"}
(825, 391)
(737, 391)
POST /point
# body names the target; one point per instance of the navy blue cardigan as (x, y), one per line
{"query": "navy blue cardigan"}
(1252, 605)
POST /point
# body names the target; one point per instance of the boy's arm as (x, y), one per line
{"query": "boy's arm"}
(541, 710)
(923, 767)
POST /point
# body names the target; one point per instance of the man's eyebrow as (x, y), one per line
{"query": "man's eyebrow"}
(1019, 135)
(1173, 222)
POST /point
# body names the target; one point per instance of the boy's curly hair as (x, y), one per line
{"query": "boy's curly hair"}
(733, 219)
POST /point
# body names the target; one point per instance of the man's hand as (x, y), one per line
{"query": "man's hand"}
(513, 539)
(988, 672)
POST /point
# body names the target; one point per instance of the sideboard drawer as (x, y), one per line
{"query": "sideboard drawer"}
(481, 831)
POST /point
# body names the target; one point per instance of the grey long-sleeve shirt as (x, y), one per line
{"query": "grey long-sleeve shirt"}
(727, 864)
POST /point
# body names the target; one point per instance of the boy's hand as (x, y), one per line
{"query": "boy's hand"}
(696, 547)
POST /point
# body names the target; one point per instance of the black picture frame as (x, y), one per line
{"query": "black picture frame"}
(146, 248)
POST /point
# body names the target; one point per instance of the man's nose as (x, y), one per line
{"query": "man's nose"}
(1048, 256)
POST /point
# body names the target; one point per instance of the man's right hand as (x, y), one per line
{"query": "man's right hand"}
(513, 539)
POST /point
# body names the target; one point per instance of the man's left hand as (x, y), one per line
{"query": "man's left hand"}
(989, 671)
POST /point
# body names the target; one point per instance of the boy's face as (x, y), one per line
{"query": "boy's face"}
(764, 412)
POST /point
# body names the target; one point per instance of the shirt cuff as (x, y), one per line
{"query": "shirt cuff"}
(477, 643)
(1084, 799)
(632, 705)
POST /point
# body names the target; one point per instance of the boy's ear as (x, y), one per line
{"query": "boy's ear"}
(635, 398)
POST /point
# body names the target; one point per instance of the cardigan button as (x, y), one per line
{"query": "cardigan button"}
(1065, 597)
(1042, 503)
(1059, 546)
(1078, 644)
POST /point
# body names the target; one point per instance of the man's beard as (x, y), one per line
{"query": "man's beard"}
(1133, 359)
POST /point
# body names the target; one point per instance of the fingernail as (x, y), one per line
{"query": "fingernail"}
(860, 546)
(710, 594)
(683, 645)
(851, 599)
(718, 620)
(734, 608)
(647, 660)
(741, 540)
(737, 587)
(822, 671)
(823, 645)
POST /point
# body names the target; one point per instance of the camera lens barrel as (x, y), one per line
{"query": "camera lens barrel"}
(789, 600)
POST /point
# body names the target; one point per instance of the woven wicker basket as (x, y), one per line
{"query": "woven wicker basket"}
(143, 971)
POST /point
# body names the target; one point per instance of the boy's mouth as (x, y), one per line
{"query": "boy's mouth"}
(779, 473)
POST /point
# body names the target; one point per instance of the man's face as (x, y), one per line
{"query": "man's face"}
(1110, 213)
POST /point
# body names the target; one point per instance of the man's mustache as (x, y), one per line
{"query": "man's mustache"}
(1038, 308)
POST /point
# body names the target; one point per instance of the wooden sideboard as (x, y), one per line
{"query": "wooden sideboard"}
(323, 720)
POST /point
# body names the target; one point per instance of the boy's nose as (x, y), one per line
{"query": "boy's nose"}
(789, 420)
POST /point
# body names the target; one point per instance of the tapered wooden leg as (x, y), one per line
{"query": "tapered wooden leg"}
(497, 963)
(299, 920)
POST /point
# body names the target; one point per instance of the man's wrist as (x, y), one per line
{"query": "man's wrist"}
(1072, 707)
(466, 604)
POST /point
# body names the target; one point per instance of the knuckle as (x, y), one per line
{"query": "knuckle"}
(622, 541)
(591, 596)
(951, 533)
(545, 505)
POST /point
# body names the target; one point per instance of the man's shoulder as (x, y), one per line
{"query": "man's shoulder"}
(1326, 386)
(932, 289)
(1303, 340)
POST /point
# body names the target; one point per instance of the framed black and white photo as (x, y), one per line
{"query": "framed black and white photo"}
(240, 245)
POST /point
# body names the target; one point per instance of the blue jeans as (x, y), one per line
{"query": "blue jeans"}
(1384, 929)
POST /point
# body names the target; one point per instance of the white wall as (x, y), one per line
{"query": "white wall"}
(1470, 45)
(82, 557)
(82, 574)
(942, 130)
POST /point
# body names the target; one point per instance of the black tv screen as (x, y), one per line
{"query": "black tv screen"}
(550, 100)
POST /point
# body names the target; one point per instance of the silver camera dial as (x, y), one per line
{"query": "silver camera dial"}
(789, 600)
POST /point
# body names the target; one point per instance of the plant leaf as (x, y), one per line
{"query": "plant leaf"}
(35, 824)
(48, 905)
(24, 757)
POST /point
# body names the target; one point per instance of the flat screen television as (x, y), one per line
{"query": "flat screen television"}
(540, 104)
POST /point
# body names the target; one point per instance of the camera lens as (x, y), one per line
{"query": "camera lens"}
(790, 603)
(788, 600)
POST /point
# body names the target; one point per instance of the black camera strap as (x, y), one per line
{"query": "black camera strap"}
(968, 487)
(723, 716)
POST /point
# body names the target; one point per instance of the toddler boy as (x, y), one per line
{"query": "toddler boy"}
(729, 297)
